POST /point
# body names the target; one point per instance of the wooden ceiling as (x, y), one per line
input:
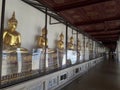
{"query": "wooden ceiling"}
(99, 18)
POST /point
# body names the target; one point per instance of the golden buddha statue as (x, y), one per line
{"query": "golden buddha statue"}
(12, 38)
(41, 39)
(70, 44)
(79, 45)
(60, 43)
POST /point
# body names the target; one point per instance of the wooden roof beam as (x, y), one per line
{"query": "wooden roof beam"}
(113, 39)
(108, 40)
(97, 21)
(105, 33)
(78, 5)
(100, 30)
(106, 36)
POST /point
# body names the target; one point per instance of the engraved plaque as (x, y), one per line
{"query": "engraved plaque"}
(52, 61)
(36, 59)
(24, 61)
(61, 57)
(43, 62)
(9, 63)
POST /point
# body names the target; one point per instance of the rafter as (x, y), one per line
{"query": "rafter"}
(114, 41)
(108, 39)
(106, 36)
(105, 33)
(97, 21)
(78, 5)
(100, 30)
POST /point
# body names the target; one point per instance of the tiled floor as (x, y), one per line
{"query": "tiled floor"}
(104, 76)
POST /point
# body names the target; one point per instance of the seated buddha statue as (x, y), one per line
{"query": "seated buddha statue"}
(12, 38)
(60, 43)
(41, 39)
(70, 44)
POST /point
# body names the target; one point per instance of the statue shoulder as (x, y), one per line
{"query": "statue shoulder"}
(5, 31)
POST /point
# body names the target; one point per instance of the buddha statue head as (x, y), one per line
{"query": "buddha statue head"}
(44, 31)
(12, 23)
(61, 36)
